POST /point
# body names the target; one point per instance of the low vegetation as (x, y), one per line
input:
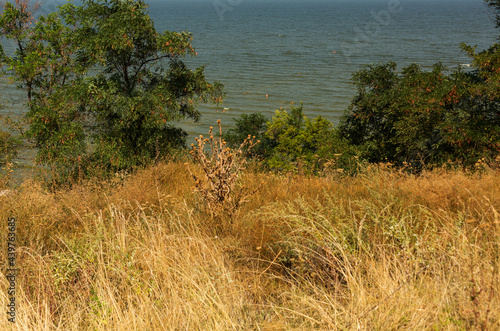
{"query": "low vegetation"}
(389, 221)
(382, 250)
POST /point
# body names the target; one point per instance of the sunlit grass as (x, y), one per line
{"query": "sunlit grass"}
(383, 250)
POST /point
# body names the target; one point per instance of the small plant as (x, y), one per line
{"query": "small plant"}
(9, 148)
(222, 167)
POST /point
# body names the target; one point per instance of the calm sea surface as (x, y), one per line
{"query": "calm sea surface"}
(307, 50)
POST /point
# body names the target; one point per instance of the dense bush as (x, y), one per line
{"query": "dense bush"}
(253, 125)
(289, 141)
(298, 141)
(427, 118)
(9, 147)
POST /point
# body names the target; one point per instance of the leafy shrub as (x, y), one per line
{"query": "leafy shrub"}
(9, 147)
(292, 142)
(253, 125)
(297, 140)
(426, 118)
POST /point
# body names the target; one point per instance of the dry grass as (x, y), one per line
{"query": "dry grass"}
(220, 184)
(380, 251)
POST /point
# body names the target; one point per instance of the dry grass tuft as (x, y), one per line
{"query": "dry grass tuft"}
(383, 250)
(220, 185)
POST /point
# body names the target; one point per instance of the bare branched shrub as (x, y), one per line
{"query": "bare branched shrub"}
(222, 168)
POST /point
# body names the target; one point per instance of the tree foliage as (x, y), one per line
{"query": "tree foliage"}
(43, 66)
(495, 7)
(253, 125)
(289, 141)
(419, 117)
(296, 139)
(103, 86)
(143, 86)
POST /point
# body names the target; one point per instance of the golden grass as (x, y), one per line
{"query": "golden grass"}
(380, 251)
(218, 185)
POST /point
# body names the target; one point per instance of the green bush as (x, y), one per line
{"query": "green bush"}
(297, 140)
(253, 125)
(9, 147)
(290, 141)
(426, 118)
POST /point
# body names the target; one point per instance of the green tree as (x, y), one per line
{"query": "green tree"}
(103, 86)
(253, 125)
(422, 118)
(295, 138)
(419, 118)
(44, 65)
(306, 145)
(290, 141)
(495, 6)
(144, 85)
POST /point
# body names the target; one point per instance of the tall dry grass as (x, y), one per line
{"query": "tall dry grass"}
(380, 251)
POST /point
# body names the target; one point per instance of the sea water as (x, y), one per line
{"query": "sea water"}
(271, 53)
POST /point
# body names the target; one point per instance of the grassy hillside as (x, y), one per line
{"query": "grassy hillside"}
(383, 250)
